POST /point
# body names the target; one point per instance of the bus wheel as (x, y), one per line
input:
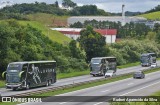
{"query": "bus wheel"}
(14, 89)
(49, 82)
(27, 86)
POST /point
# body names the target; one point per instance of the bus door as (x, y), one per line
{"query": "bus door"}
(23, 74)
(33, 75)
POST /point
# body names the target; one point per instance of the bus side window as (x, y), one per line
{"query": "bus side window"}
(103, 61)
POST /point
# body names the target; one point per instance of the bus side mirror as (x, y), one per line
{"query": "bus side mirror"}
(3, 74)
(20, 74)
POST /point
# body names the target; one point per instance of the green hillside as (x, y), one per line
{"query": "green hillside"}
(53, 35)
(152, 16)
(48, 19)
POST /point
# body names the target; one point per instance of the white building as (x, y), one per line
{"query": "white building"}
(82, 19)
(74, 33)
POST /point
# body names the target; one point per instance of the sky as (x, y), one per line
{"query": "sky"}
(107, 5)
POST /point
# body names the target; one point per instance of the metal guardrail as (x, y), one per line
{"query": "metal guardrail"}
(73, 84)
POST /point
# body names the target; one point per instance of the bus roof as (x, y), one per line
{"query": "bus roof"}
(146, 54)
(151, 53)
(102, 57)
(25, 62)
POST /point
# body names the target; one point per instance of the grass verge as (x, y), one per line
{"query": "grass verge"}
(72, 74)
(2, 84)
(128, 65)
(8, 103)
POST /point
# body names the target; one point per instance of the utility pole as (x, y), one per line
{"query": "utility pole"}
(106, 32)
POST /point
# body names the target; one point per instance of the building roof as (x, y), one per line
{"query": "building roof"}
(107, 31)
(70, 32)
(76, 31)
(82, 19)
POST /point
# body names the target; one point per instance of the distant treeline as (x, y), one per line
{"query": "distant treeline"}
(157, 8)
(18, 11)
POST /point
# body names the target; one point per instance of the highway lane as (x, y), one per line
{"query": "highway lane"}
(61, 82)
(127, 87)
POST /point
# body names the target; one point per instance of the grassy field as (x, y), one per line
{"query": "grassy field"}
(53, 35)
(48, 19)
(151, 16)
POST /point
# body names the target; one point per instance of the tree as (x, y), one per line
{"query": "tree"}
(68, 3)
(158, 37)
(93, 43)
(75, 52)
(77, 25)
(56, 4)
(156, 27)
(151, 36)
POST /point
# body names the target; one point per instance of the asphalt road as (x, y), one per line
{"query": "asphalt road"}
(61, 82)
(127, 87)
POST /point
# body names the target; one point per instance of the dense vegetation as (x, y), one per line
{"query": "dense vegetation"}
(126, 50)
(93, 43)
(25, 43)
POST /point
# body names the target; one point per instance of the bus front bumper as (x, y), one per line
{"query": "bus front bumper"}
(96, 73)
(11, 86)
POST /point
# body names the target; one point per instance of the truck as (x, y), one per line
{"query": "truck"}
(28, 74)
(100, 65)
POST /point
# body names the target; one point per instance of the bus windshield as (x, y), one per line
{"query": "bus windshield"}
(111, 59)
(144, 59)
(96, 61)
(14, 67)
(112, 66)
(12, 73)
(153, 55)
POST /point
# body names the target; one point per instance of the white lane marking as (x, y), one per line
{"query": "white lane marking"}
(27, 103)
(98, 103)
(130, 84)
(21, 104)
(105, 91)
(140, 88)
(62, 102)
